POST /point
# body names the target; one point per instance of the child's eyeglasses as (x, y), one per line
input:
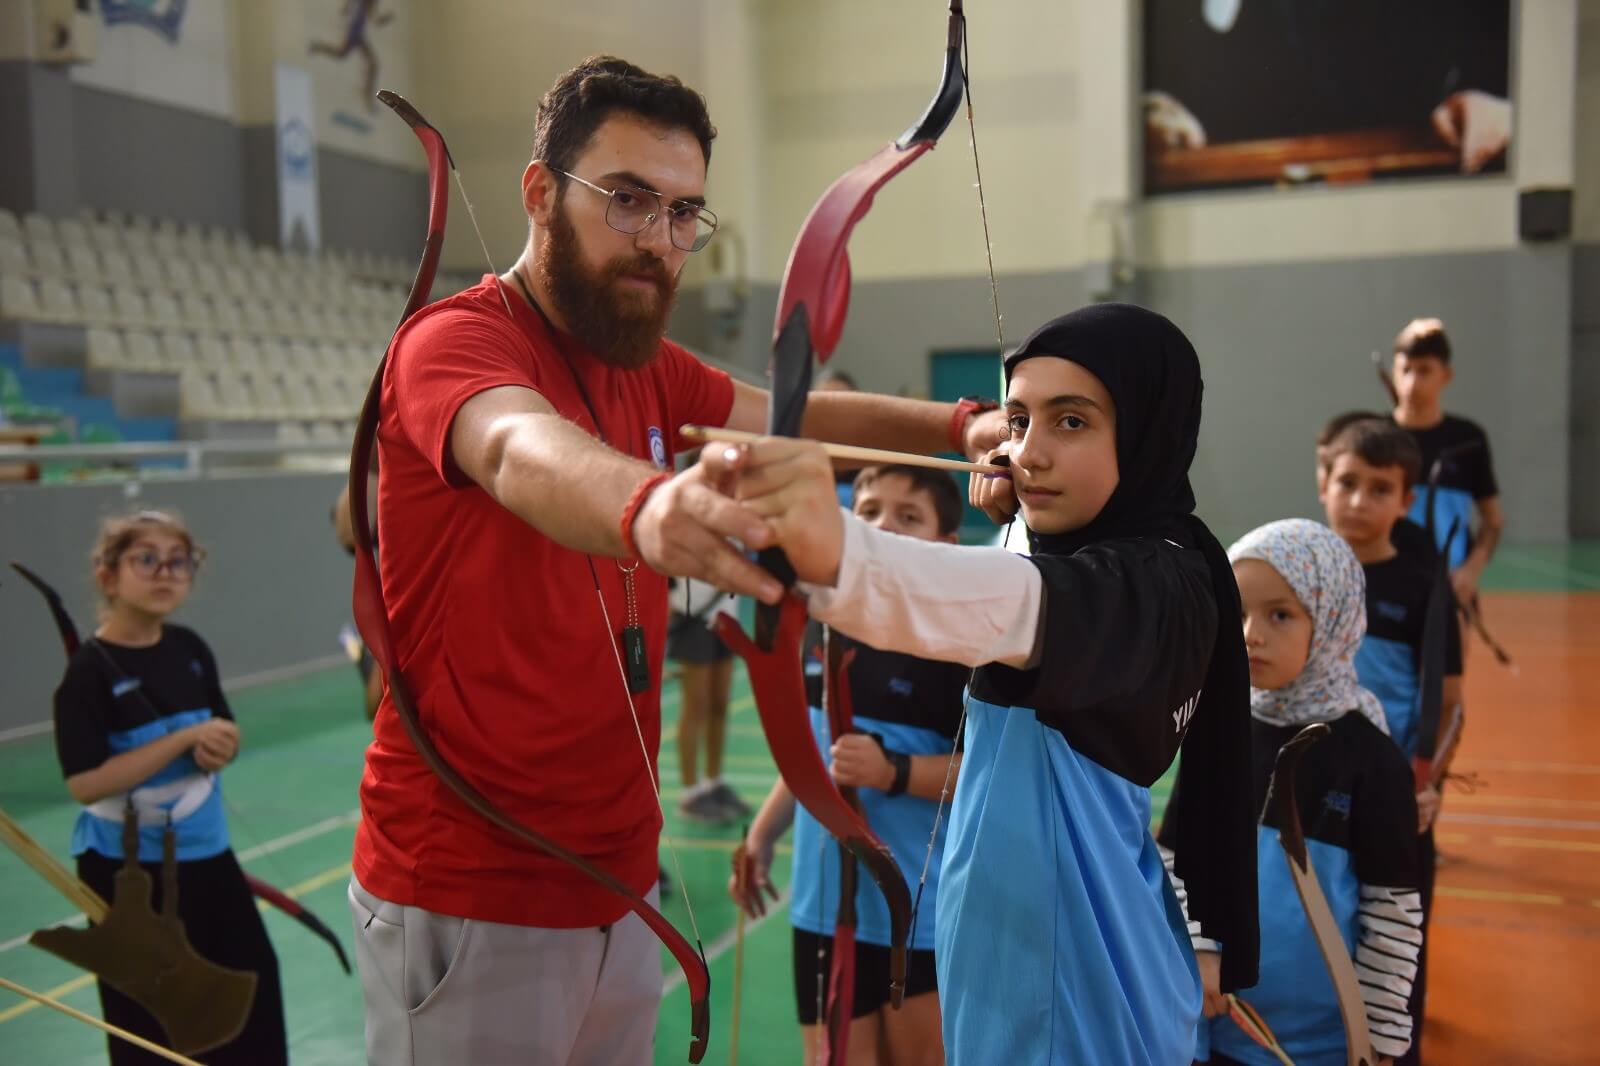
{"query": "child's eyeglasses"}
(149, 564)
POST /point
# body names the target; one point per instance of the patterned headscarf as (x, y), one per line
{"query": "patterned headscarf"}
(1328, 581)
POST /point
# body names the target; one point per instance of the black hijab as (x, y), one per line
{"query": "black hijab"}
(1153, 375)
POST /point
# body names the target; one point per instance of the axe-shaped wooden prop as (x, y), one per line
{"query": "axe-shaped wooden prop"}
(142, 954)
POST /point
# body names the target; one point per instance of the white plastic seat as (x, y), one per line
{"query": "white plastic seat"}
(83, 263)
(244, 352)
(18, 298)
(233, 389)
(163, 309)
(48, 259)
(117, 265)
(194, 310)
(181, 275)
(58, 301)
(211, 350)
(254, 317)
(178, 350)
(198, 396)
(300, 357)
(298, 395)
(130, 305)
(72, 231)
(95, 306)
(225, 313)
(9, 225)
(270, 401)
(105, 348)
(144, 353)
(105, 235)
(14, 257)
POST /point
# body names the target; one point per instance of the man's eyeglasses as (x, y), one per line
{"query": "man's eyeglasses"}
(149, 564)
(631, 210)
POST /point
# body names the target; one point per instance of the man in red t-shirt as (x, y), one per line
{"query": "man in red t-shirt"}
(525, 447)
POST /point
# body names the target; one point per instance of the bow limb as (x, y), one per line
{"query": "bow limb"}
(840, 709)
(65, 627)
(372, 613)
(812, 305)
(292, 907)
(1283, 804)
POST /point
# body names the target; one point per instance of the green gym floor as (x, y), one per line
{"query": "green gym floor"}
(292, 811)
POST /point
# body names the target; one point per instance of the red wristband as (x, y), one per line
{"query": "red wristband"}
(630, 513)
(966, 407)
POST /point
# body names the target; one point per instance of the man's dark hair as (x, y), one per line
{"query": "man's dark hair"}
(1423, 337)
(936, 483)
(585, 96)
(1377, 442)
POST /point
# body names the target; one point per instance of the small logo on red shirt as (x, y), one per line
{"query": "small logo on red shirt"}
(658, 448)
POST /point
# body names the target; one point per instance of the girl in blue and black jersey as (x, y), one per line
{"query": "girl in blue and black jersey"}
(1304, 611)
(1059, 938)
(140, 718)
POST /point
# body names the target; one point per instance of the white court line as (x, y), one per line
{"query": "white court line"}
(288, 840)
(720, 946)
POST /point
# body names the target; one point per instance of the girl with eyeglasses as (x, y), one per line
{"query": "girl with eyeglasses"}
(140, 720)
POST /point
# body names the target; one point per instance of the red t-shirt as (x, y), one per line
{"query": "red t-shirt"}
(501, 636)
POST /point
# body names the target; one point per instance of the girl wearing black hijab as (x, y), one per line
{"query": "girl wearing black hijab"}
(1060, 938)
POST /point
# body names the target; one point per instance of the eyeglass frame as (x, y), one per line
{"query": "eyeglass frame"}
(702, 211)
(191, 561)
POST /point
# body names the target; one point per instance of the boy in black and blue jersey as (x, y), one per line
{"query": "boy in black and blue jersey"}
(1422, 371)
(1369, 473)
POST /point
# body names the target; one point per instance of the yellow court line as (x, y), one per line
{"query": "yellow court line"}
(1547, 842)
(1489, 799)
(1490, 896)
(311, 884)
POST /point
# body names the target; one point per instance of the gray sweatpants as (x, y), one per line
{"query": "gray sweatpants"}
(444, 991)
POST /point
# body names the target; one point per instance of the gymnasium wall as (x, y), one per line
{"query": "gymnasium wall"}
(1284, 293)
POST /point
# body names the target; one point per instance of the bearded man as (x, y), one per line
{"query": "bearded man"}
(525, 449)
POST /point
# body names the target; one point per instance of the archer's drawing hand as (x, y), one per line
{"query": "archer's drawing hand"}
(994, 494)
(684, 527)
(789, 483)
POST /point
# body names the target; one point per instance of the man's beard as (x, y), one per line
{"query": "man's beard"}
(622, 328)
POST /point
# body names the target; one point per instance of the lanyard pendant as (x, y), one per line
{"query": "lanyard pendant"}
(633, 648)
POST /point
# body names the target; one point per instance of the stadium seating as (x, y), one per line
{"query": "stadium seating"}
(250, 333)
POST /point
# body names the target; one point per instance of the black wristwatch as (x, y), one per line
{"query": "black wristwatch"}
(902, 767)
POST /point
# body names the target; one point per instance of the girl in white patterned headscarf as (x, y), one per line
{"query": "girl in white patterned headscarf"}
(1327, 579)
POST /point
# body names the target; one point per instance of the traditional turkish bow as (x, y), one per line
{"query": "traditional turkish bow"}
(372, 612)
(68, 631)
(1284, 806)
(811, 310)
